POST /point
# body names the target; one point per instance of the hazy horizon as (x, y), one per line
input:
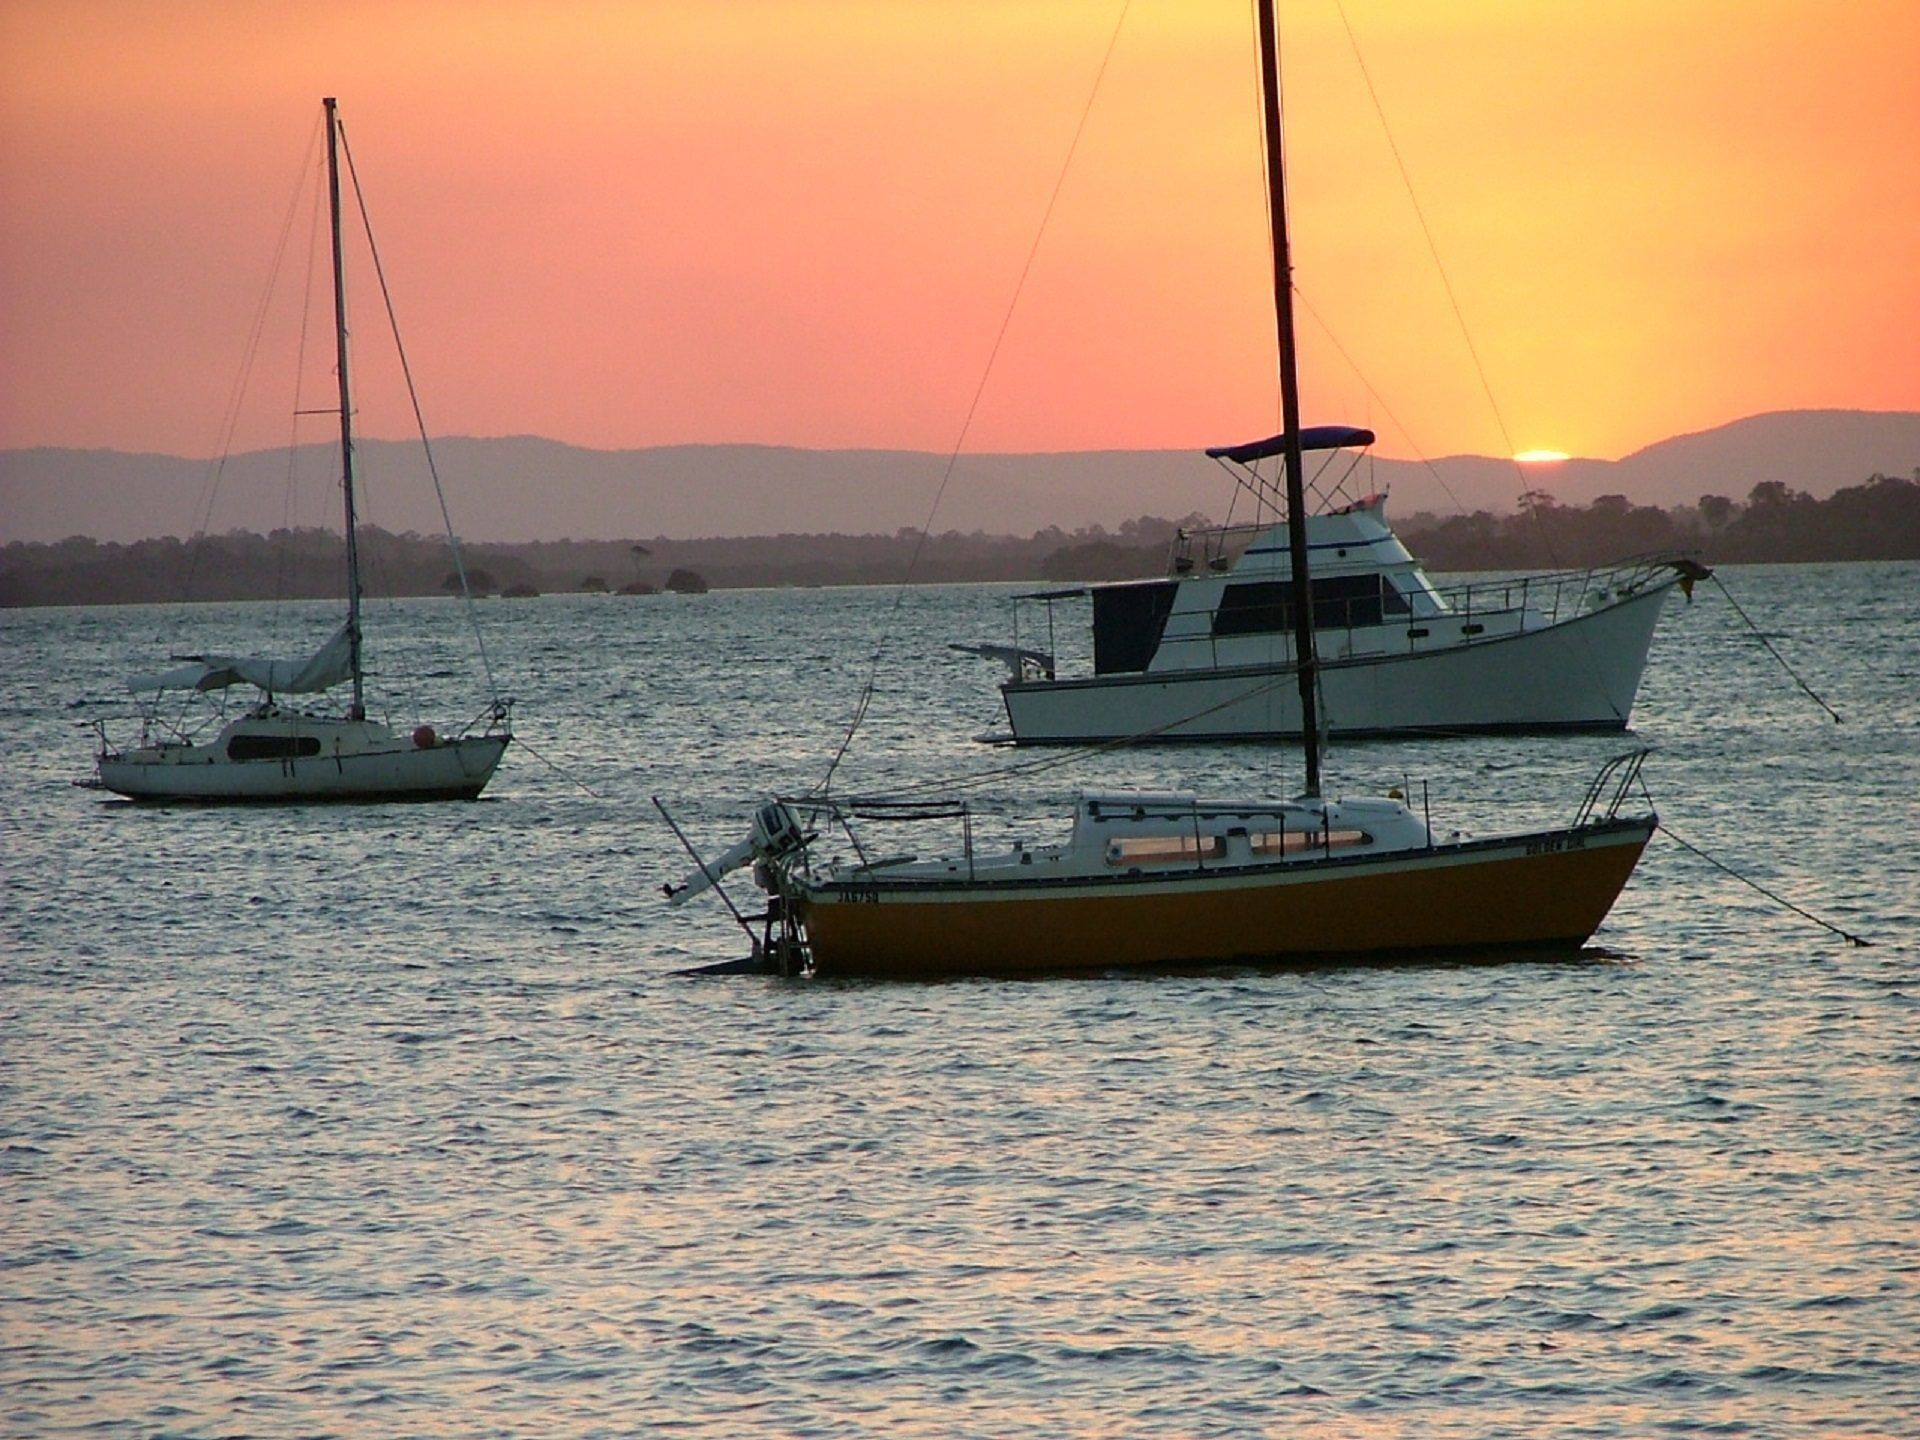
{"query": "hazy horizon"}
(514, 489)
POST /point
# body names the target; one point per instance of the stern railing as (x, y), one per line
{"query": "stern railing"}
(1610, 786)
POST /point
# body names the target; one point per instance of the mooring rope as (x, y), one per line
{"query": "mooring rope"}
(1781, 900)
(557, 768)
(1760, 635)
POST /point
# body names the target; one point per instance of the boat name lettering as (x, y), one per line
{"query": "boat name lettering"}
(1552, 844)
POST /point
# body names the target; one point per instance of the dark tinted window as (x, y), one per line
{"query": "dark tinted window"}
(1127, 621)
(1339, 602)
(1254, 609)
(272, 747)
(1345, 601)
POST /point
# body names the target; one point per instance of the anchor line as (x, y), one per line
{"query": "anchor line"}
(1760, 635)
(558, 769)
(1780, 900)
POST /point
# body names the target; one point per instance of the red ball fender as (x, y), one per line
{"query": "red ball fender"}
(424, 738)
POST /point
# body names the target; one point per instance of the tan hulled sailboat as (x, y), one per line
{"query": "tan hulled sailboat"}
(1172, 878)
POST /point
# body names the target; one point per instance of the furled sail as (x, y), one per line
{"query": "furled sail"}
(325, 668)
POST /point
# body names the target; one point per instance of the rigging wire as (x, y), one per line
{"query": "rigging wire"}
(420, 419)
(236, 397)
(980, 778)
(993, 354)
(290, 494)
(1460, 319)
(1380, 400)
(1266, 496)
(1426, 230)
(1446, 284)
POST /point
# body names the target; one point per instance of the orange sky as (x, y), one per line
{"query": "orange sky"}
(631, 223)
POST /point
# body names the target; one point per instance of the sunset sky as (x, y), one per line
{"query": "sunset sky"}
(629, 224)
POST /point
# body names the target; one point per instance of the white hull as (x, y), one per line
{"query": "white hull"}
(459, 769)
(1580, 674)
(353, 760)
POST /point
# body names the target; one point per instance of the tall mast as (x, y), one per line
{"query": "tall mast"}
(359, 709)
(1308, 660)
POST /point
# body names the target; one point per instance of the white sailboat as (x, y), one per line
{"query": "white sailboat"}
(1174, 878)
(274, 752)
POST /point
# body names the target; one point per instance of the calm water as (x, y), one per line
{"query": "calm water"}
(397, 1121)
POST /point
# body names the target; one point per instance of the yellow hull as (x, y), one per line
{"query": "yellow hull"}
(1546, 890)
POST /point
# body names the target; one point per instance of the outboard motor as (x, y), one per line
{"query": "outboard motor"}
(775, 834)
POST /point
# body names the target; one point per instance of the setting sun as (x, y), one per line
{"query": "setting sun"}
(1540, 457)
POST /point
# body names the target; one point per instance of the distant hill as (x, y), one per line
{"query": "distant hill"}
(1816, 451)
(523, 488)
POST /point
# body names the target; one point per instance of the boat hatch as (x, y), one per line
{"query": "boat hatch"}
(1127, 624)
(1165, 849)
(1187, 849)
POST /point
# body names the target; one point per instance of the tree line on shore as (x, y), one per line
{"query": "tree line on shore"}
(1878, 519)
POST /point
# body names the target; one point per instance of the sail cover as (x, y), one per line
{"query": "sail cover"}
(1312, 437)
(325, 668)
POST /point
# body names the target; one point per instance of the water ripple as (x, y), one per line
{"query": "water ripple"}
(366, 1121)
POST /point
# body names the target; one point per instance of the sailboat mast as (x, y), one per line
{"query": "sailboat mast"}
(359, 709)
(1304, 653)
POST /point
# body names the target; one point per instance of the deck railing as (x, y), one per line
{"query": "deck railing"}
(1563, 594)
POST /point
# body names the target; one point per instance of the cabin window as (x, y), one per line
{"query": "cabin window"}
(1293, 842)
(1340, 602)
(272, 747)
(1127, 624)
(1394, 598)
(1255, 608)
(1165, 849)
